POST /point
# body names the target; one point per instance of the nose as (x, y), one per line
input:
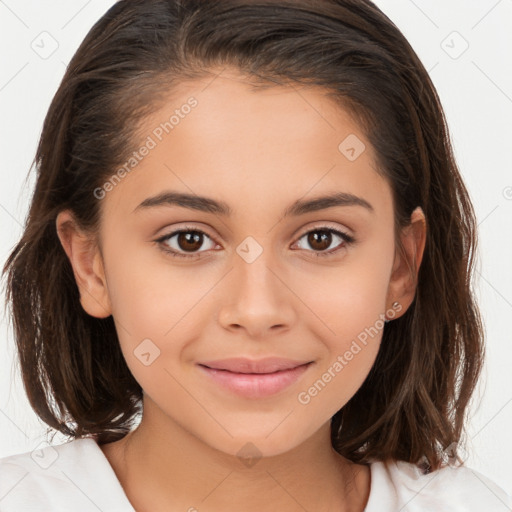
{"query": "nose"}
(257, 298)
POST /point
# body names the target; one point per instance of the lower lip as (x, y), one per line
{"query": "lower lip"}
(256, 385)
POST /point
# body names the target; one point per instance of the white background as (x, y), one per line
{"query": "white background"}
(475, 87)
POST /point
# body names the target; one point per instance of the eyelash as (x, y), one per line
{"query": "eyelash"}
(347, 239)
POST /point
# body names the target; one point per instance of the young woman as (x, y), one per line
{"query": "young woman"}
(244, 281)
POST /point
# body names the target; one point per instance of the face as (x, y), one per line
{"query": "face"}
(252, 274)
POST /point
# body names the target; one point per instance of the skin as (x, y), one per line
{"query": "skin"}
(258, 151)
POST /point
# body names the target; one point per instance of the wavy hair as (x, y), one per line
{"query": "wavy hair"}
(413, 404)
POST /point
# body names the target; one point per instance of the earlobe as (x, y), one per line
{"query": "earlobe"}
(403, 281)
(87, 264)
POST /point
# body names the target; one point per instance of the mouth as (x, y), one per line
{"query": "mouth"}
(245, 365)
(255, 379)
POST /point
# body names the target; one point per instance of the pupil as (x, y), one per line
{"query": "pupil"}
(320, 242)
(193, 240)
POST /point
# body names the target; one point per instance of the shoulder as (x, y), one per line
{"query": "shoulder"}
(54, 477)
(398, 485)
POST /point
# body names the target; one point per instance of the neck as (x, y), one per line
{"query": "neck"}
(162, 466)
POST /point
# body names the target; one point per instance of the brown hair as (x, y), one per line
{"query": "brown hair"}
(413, 403)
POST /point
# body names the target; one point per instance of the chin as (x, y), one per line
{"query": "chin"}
(251, 448)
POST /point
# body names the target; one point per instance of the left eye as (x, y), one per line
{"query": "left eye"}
(190, 240)
(321, 238)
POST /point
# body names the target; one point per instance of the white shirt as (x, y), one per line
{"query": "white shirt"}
(76, 476)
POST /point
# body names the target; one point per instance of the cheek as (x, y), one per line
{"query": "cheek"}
(350, 306)
(355, 323)
(155, 299)
(348, 297)
(158, 309)
(149, 292)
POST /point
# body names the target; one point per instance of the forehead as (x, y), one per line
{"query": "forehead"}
(222, 137)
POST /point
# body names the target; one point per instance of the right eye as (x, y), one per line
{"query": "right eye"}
(188, 240)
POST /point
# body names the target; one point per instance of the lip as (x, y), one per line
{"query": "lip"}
(255, 379)
(245, 365)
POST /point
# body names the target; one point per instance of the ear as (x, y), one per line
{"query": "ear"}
(87, 262)
(404, 276)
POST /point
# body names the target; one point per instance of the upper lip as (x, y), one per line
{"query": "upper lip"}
(244, 365)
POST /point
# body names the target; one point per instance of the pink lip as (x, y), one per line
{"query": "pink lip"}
(255, 379)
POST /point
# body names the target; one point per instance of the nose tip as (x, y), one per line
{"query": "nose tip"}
(258, 300)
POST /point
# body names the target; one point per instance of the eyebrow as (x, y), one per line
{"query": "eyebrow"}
(209, 205)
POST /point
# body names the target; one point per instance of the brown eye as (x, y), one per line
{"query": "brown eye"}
(189, 240)
(183, 241)
(320, 239)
